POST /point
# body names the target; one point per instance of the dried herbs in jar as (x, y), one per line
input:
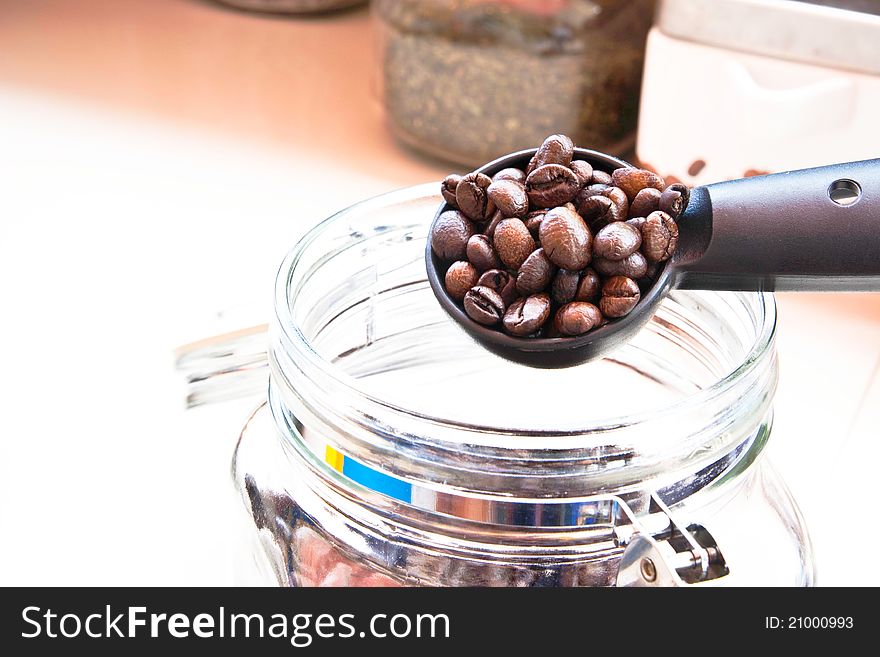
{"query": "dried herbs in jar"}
(470, 80)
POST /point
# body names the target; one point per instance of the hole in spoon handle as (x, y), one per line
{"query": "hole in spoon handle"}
(844, 191)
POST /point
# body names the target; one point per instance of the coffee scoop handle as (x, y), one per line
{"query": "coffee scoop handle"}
(812, 229)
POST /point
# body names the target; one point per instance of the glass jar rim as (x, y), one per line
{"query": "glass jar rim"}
(322, 409)
(293, 336)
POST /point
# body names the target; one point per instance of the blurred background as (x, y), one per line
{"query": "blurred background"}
(159, 157)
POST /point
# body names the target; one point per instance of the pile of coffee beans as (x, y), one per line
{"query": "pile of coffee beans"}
(557, 249)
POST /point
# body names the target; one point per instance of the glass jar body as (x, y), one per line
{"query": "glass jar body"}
(471, 81)
(393, 450)
(297, 537)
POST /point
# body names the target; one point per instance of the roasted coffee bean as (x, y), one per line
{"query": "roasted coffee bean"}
(513, 242)
(460, 277)
(577, 318)
(533, 221)
(551, 185)
(632, 181)
(620, 201)
(636, 222)
(593, 188)
(601, 178)
(484, 305)
(535, 274)
(645, 202)
(584, 171)
(587, 191)
(566, 239)
(556, 149)
(589, 287)
(450, 235)
(652, 271)
(481, 253)
(492, 224)
(509, 197)
(659, 236)
(471, 195)
(633, 266)
(527, 315)
(502, 282)
(511, 173)
(616, 241)
(696, 167)
(447, 188)
(564, 287)
(598, 211)
(620, 295)
(674, 200)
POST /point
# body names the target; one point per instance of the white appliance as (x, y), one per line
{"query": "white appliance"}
(737, 87)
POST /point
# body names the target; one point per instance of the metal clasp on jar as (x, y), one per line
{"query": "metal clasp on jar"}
(661, 552)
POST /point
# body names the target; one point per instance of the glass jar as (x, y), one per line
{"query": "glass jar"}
(471, 80)
(393, 450)
(293, 6)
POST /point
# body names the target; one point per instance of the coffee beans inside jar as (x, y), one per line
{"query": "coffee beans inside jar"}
(556, 249)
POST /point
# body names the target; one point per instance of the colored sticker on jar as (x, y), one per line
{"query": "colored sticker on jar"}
(368, 477)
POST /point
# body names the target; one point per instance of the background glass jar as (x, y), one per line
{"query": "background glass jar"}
(393, 450)
(293, 6)
(470, 80)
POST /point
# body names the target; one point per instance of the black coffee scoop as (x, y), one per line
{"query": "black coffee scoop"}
(809, 230)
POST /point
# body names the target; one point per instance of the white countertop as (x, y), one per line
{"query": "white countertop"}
(120, 240)
(124, 234)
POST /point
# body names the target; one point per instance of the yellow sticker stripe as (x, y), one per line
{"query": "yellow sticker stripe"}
(334, 459)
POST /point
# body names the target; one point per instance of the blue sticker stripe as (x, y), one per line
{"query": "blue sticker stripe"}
(377, 481)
